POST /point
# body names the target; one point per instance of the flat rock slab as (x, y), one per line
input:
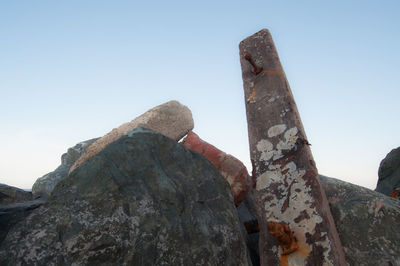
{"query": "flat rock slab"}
(368, 223)
(11, 214)
(10, 194)
(230, 167)
(142, 200)
(170, 119)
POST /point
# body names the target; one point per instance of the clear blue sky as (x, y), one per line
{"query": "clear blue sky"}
(73, 70)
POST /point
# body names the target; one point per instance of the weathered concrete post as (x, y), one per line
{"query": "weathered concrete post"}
(290, 201)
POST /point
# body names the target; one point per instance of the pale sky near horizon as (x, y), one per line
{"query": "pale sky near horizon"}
(73, 70)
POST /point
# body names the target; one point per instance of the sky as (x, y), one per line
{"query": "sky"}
(74, 70)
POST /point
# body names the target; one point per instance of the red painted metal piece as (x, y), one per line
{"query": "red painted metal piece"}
(231, 168)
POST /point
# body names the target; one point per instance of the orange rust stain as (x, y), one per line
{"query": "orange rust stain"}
(253, 93)
(273, 72)
(284, 260)
(284, 235)
(395, 193)
(302, 251)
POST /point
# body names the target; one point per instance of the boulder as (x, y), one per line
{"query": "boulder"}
(389, 173)
(45, 184)
(231, 168)
(142, 200)
(170, 119)
(368, 223)
(9, 194)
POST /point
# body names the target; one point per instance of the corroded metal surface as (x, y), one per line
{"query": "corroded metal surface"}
(287, 189)
(231, 168)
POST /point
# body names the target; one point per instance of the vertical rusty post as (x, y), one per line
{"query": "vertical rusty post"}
(287, 190)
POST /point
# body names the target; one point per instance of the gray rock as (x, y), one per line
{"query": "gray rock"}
(9, 194)
(15, 205)
(389, 173)
(45, 184)
(11, 214)
(143, 200)
(170, 119)
(248, 217)
(368, 223)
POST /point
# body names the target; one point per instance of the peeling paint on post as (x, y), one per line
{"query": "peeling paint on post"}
(287, 188)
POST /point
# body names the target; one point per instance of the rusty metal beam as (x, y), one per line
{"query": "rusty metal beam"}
(287, 190)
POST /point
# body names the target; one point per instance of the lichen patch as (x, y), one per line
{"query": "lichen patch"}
(276, 130)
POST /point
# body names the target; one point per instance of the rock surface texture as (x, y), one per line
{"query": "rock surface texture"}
(15, 205)
(142, 200)
(170, 119)
(9, 194)
(368, 223)
(45, 184)
(231, 168)
(288, 195)
(389, 173)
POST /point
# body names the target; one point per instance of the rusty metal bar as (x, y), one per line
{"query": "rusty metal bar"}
(287, 190)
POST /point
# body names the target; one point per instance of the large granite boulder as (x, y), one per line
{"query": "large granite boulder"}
(231, 168)
(368, 223)
(389, 173)
(170, 119)
(45, 184)
(143, 200)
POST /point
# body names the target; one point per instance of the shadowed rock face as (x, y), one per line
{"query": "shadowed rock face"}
(231, 168)
(368, 223)
(15, 205)
(143, 200)
(389, 173)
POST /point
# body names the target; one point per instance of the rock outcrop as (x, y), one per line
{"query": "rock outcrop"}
(11, 214)
(389, 173)
(231, 168)
(45, 184)
(170, 119)
(142, 200)
(368, 223)
(10, 194)
(15, 205)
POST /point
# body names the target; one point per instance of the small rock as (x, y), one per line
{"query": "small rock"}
(248, 217)
(231, 168)
(45, 184)
(389, 173)
(170, 119)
